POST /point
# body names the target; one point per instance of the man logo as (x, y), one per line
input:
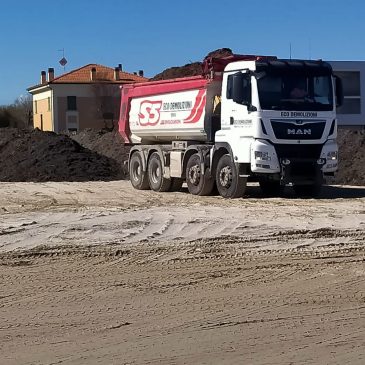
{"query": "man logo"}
(300, 132)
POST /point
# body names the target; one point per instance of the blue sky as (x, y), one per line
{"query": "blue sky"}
(154, 35)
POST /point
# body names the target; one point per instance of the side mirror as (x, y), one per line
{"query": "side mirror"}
(339, 91)
(241, 88)
(237, 87)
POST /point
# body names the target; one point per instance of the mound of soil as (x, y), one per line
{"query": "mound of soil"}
(101, 155)
(46, 156)
(351, 170)
(191, 69)
(109, 144)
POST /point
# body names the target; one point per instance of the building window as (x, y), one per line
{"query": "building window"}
(49, 104)
(71, 103)
(351, 92)
(35, 107)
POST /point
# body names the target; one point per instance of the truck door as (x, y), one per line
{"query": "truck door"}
(238, 99)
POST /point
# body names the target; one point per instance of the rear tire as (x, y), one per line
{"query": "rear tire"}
(197, 183)
(229, 184)
(137, 176)
(155, 174)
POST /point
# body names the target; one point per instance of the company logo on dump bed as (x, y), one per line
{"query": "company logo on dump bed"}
(149, 112)
(153, 112)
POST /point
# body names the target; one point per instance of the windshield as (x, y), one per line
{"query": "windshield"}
(295, 92)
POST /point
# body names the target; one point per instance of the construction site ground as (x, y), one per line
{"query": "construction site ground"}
(99, 273)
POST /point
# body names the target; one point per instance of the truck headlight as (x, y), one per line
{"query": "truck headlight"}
(262, 155)
(332, 155)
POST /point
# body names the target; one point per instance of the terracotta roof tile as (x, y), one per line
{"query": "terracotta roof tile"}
(103, 74)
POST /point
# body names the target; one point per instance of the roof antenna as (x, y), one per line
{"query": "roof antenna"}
(290, 50)
(63, 60)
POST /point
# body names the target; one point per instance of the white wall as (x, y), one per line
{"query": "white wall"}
(352, 113)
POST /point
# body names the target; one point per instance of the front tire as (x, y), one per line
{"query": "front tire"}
(198, 184)
(137, 176)
(229, 183)
(156, 179)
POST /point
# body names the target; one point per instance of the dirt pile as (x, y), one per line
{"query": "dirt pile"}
(101, 155)
(191, 69)
(46, 156)
(351, 169)
(109, 144)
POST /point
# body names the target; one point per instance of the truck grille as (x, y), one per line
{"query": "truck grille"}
(298, 151)
(294, 130)
(303, 161)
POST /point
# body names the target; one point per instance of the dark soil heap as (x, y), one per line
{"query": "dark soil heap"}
(109, 144)
(351, 170)
(191, 69)
(46, 156)
(100, 155)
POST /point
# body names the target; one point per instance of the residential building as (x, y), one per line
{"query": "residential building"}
(351, 114)
(88, 97)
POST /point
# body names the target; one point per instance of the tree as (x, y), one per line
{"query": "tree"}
(107, 103)
(17, 115)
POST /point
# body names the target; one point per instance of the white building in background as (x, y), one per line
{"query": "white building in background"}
(352, 74)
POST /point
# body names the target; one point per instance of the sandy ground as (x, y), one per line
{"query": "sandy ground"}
(98, 273)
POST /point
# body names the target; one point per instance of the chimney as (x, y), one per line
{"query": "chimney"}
(50, 74)
(120, 67)
(116, 74)
(43, 77)
(93, 74)
(140, 73)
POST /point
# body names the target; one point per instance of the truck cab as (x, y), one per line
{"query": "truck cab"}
(284, 114)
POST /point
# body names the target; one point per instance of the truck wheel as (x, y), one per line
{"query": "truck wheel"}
(229, 184)
(308, 191)
(155, 174)
(271, 188)
(137, 176)
(197, 183)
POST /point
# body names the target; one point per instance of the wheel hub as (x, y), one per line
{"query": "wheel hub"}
(136, 171)
(156, 174)
(194, 175)
(225, 177)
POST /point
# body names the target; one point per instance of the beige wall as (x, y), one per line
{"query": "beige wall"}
(91, 101)
(42, 111)
(42, 114)
(86, 114)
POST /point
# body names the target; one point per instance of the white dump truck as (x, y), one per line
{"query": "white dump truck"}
(246, 118)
